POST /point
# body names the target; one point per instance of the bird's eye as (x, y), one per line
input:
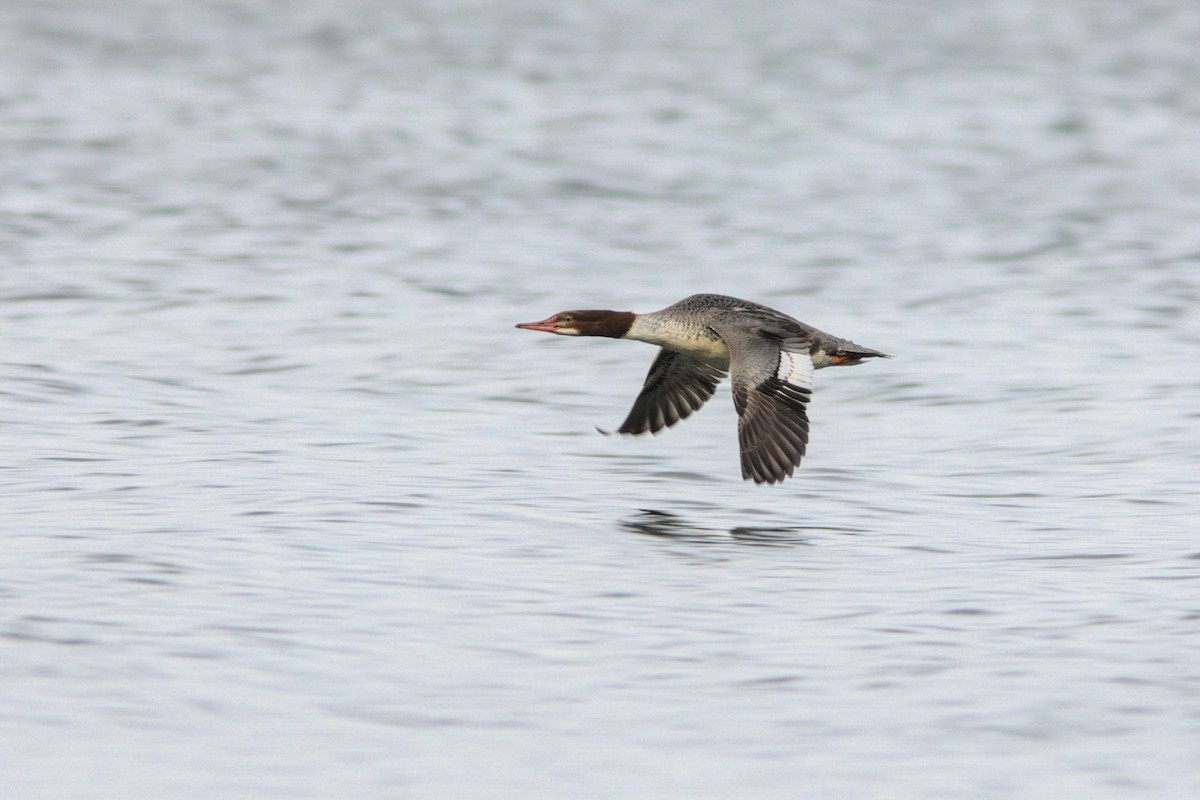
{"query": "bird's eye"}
(566, 318)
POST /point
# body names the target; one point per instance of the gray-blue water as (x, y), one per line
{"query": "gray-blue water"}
(290, 510)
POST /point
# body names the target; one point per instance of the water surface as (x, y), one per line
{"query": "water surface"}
(291, 510)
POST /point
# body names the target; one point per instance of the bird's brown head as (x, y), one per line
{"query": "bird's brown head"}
(613, 324)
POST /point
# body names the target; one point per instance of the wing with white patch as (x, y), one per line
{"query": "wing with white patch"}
(772, 384)
(676, 386)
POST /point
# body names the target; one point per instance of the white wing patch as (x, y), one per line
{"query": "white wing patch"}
(795, 369)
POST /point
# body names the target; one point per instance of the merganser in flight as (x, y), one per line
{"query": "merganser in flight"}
(770, 356)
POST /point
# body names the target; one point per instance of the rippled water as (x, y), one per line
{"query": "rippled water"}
(291, 510)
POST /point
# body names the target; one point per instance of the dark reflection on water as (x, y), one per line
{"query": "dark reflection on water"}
(651, 522)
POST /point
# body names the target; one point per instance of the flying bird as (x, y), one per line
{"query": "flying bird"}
(769, 355)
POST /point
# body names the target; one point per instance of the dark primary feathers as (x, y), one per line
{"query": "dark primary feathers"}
(772, 384)
(676, 386)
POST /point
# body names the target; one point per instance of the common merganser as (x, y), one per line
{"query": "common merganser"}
(770, 356)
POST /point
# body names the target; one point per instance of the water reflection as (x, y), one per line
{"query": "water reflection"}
(664, 524)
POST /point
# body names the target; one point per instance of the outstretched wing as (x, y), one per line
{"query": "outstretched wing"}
(771, 390)
(676, 386)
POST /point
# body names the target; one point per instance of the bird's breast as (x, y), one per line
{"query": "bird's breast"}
(712, 350)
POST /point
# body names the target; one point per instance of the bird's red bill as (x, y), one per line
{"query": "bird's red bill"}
(546, 325)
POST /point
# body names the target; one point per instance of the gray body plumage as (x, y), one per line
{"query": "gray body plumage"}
(770, 358)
